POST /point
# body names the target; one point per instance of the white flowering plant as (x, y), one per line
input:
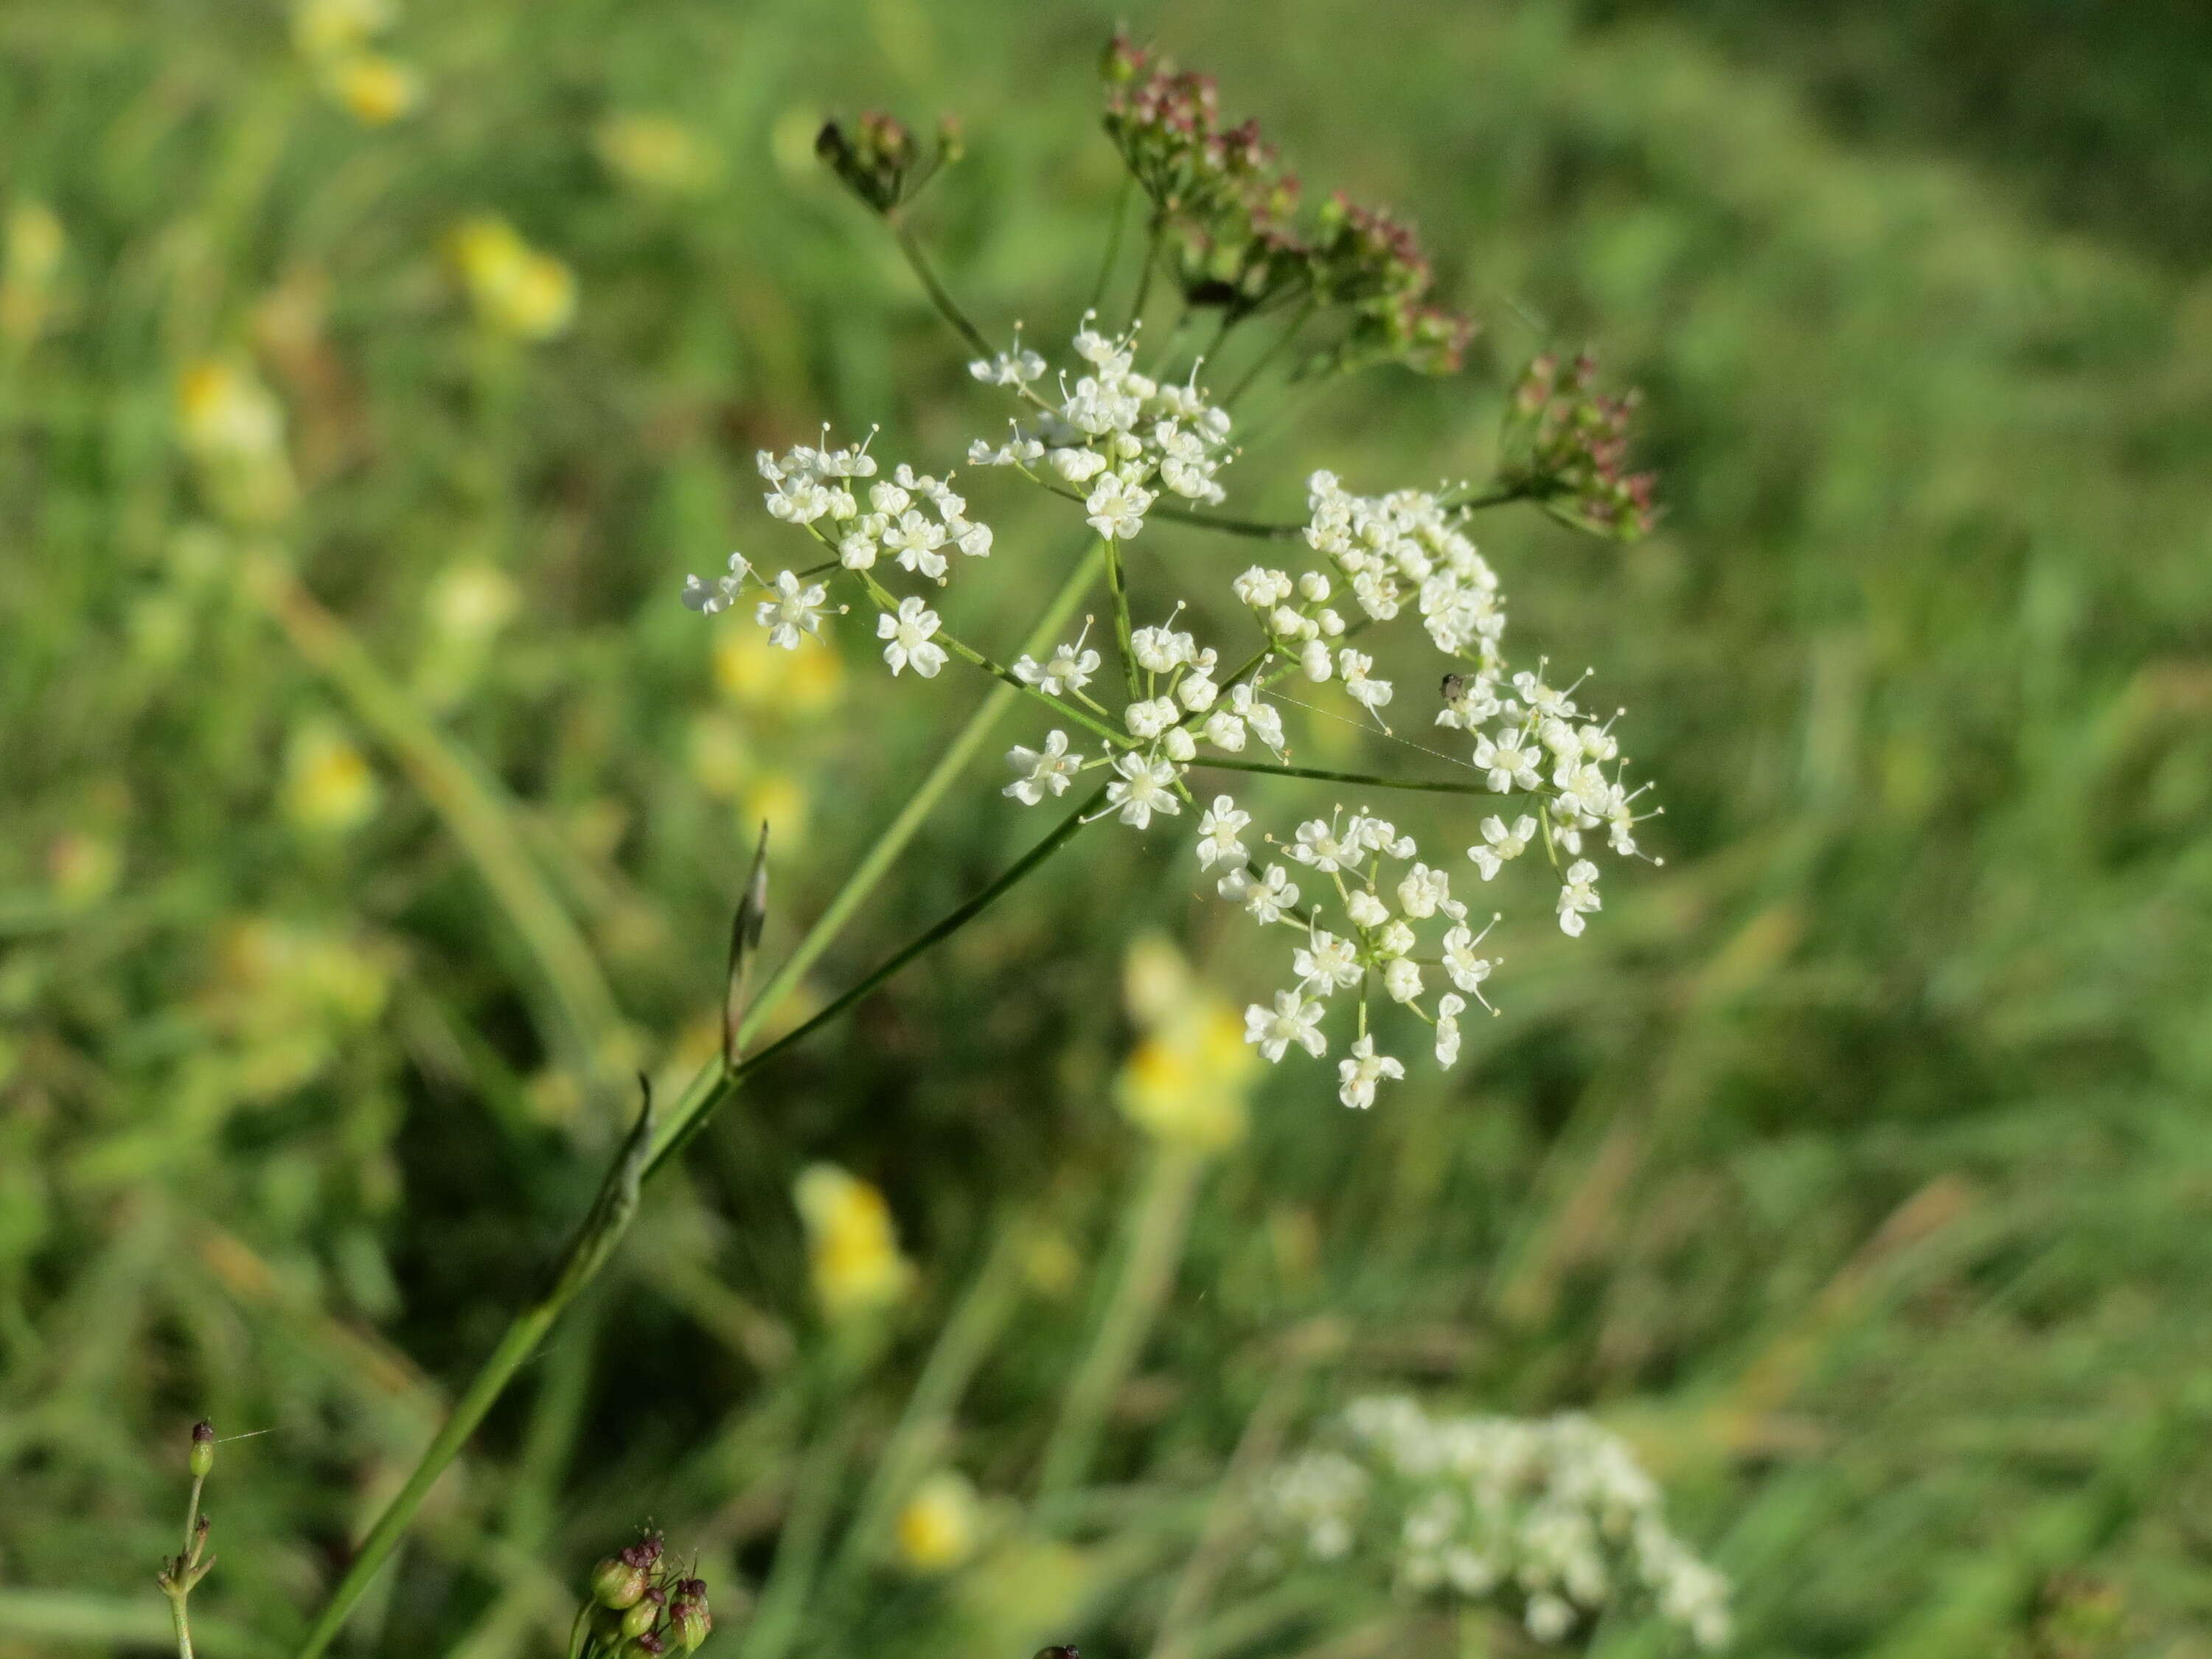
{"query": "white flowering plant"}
(1371, 592)
(1138, 722)
(1552, 1519)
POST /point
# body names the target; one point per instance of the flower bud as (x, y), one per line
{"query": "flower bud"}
(616, 1582)
(689, 1622)
(202, 1456)
(952, 139)
(643, 1616)
(647, 1646)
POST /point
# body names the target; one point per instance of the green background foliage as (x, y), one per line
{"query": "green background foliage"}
(1856, 1164)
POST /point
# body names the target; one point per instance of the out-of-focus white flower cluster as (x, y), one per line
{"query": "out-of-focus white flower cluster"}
(1116, 436)
(1551, 1518)
(1368, 914)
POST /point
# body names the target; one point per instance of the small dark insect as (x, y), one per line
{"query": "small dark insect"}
(1058, 1653)
(1454, 687)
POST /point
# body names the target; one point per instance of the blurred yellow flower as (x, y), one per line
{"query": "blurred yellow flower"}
(1187, 1081)
(654, 152)
(224, 412)
(329, 787)
(763, 678)
(472, 601)
(35, 245)
(779, 801)
(718, 755)
(938, 1528)
(271, 974)
(377, 90)
(852, 1246)
(83, 868)
(515, 288)
(320, 28)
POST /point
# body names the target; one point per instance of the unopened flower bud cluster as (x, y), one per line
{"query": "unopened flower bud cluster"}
(642, 1606)
(1550, 1518)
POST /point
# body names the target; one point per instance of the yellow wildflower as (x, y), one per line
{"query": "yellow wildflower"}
(35, 245)
(654, 152)
(852, 1246)
(224, 412)
(83, 868)
(763, 678)
(1187, 1081)
(321, 28)
(516, 289)
(778, 799)
(938, 1528)
(377, 90)
(329, 788)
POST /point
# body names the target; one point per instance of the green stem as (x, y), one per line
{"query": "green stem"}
(947, 306)
(1423, 786)
(1271, 532)
(1145, 279)
(602, 1227)
(1282, 343)
(1159, 1221)
(720, 1084)
(183, 1627)
(1113, 240)
(1117, 584)
(714, 1084)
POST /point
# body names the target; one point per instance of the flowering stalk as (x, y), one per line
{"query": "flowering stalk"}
(181, 1573)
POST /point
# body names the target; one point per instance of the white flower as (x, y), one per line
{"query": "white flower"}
(1402, 980)
(1509, 761)
(1224, 731)
(1161, 650)
(1147, 786)
(915, 540)
(1265, 898)
(1424, 891)
(1016, 368)
(794, 609)
(910, 635)
(1263, 589)
(1449, 1008)
(719, 594)
(1357, 1076)
(1077, 465)
(1366, 909)
(1369, 692)
(1042, 771)
(1263, 718)
(1219, 830)
(1467, 970)
(1549, 1617)
(857, 549)
(1579, 897)
(1117, 510)
(1503, 843)
(1068, 669)
(1149, 717)
(1296, 1019)
(1314, 660)
(1317, 845)
(1327, 962)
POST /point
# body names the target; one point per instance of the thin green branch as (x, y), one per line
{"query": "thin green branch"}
(1375, 781)
(947, 306)
(1117, 585)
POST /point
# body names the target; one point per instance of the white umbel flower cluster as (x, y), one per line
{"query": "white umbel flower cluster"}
(1551, 1518)
(1116, 438)
(1372, 922)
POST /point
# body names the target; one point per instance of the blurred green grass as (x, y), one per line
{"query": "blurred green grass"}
(1857, 1165)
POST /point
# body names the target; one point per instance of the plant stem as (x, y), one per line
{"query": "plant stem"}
(721, 1084)
(714, 1084)
(1117, 584)
(947, 306)
(1423, 786)
(1113, 240)
(1281, 344)
(1144, 278)
(1158, 1220)
(602, 1229)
